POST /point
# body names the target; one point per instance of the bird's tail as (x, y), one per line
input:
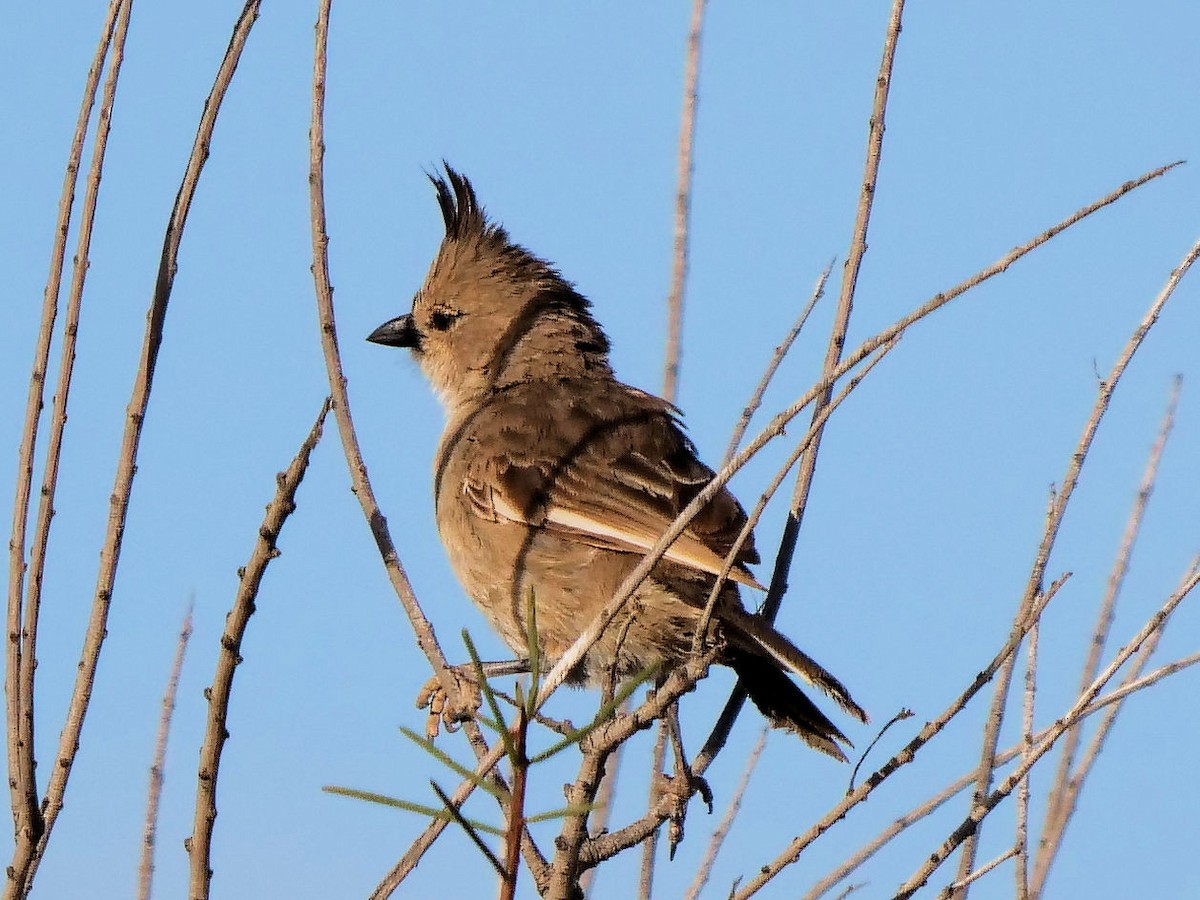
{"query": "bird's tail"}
(761, 656)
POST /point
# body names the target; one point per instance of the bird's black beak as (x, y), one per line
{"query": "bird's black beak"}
(398, 332)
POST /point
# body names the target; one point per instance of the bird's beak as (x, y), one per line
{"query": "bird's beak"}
(398, 332)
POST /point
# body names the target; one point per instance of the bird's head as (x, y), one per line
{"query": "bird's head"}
(490, 313)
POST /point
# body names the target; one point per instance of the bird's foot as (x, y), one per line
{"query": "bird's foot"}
(675, 791)
(447, 708)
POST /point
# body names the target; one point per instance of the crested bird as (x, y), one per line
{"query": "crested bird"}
(554, 478)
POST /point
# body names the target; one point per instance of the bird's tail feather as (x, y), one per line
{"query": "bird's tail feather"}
(761, 655)
(784, 704)
(750, 632)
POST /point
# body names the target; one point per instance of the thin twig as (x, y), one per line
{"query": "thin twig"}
(127, 459)
(958, 886)
(199, 845)
(157, 767)
(936, 801)
(1037, 571)
(761, 504)
(575, 850)
(1021, 847)
(837, 338)
(902, 716)
(970, 825)
(760, 390)
(683, 194)
(1113, 701)
(558, 726)
(360, 482)
(704, 871)
(841, 320)
(58, 416)
(21, 652)
(900, 759)
(1064, 789)
(671, 364)
(650, 844)
(1140, 683)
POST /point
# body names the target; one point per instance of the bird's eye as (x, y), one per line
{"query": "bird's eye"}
(442, 319)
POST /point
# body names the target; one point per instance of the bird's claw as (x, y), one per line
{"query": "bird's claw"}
(676, 792)
(448, 709)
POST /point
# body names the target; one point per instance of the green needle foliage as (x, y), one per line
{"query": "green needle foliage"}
(514, 737)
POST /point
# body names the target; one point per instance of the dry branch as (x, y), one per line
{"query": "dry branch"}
(679, 270)
(841, 320)
(899, 760)
(756, 398)
(157, 768)
(199, 845)
(987, 761)
(21, 654)
(704, 870)
(936, 801)
(683, 199)
(970, 825)
(1068, 781)
(26, 856)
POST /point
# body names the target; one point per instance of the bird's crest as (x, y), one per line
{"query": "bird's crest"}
(461, 212)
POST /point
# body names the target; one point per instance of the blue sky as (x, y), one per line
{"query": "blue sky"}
(932, 482)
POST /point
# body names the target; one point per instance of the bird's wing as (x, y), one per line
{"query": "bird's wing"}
(614, 475)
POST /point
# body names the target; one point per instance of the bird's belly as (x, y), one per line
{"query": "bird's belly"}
(567, 585)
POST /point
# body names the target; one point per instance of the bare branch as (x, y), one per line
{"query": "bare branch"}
(650, 844)
(1000, 695)
(902, 758)
(605, 798)
(704, 870)
(199, 845)
(157, 768)
(679, 270)
(1133, 685)
(837, 338)
(1065, 788)
(718, 738)
(683, 195)
(58, 416)
(360, 482)
(575, 851)
(970, 825)
(755, 401)
(21, 656)
(936, 801)
(958, 886)
(1021, 848)
(26, 858)
(841, 321)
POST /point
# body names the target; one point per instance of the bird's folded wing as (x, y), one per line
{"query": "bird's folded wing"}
(624, 503)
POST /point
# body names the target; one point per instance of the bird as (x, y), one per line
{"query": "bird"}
(552, 479)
